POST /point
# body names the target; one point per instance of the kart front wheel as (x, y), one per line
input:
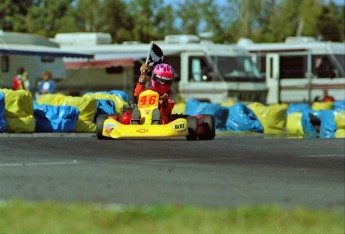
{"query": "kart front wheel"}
(192, 123)
(99, 126)
(209, 128)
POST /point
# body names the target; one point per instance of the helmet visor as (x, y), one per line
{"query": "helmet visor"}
(163, 80)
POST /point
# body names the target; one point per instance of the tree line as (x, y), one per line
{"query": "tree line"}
(146, 20)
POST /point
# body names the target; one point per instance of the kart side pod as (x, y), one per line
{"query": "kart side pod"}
(192, 127)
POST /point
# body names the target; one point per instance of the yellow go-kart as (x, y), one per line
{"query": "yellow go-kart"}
(192, 127)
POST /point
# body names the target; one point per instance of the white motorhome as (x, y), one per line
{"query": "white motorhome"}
(300, 69)
(204, 71)
(33, 53)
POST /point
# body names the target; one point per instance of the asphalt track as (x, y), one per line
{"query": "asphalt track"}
(232, 170)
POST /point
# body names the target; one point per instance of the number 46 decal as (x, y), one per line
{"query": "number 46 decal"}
(148, 100)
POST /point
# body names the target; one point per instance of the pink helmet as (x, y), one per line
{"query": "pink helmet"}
(163, 76)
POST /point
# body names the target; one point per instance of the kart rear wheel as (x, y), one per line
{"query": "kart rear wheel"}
(99, 126)
(209, 128)
(192, 123)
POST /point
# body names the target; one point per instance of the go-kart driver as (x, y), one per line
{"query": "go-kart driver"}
(161, 81)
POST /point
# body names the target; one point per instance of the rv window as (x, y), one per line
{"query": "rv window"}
(324, 68)
(4, 64)
(114, 70)
(293, 67)
(47, 59)
(341, 61)
(261, 63)
(236, 68)
(198, 69)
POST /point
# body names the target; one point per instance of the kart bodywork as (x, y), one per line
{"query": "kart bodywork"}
(191, 127)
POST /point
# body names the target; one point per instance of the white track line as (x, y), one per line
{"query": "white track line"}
(186, 159)
(38, 164)
(322, 155)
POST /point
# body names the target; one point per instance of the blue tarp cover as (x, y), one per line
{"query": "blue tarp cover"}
(241, 118)
(297, 107)
(328, 127)
(339, 106)
(2, 112)
(105, 107)
(120, 93)
(55, 118)
(306, 124)
(195, 107)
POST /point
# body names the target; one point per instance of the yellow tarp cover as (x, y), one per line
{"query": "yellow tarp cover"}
(179, 108)
(322, 106)
(228, 104)
(49, 98)
(340, 133)
(118, 101)
(19, 111)
(87, 106)
(294, 123)
(21, 125)
(339, 119)
(272, 118)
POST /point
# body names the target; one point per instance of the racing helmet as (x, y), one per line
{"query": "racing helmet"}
(162, 78)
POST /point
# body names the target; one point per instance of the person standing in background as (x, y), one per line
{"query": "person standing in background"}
(327, 97)
(47, 85)
(25, 81)
(18, 80)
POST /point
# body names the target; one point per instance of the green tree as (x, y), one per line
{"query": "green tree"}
(45, 17)
(294, 18)
(117, 20)
(143, 13)
(249, 19)
(331, 23)
(164, 21)
(13, 13)
(264, 16)
(198, 16)
(211, 16)
(190, 16)
(152, 19)
(89, 14)
(308, 14)
(109, 16)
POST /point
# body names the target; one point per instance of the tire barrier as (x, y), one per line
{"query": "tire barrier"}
(58, 113)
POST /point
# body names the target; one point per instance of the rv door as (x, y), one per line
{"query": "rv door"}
(272, 78)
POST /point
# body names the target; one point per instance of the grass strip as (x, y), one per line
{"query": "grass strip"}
(53, 217)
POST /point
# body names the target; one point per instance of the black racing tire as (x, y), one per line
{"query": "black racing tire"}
(192, 123)
(209, 128)
(99, 126)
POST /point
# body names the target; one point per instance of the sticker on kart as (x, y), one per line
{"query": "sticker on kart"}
(179, 126)
(109, 127)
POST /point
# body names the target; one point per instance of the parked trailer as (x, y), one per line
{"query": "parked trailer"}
(300, 69)
(204, 70)
(33, 53)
